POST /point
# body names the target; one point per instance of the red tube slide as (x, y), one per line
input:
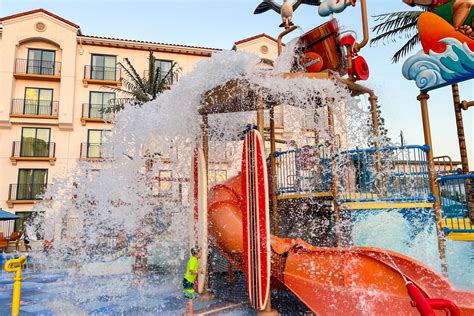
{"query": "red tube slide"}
(333, 281)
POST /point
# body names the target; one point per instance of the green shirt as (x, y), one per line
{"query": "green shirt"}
(192, 266)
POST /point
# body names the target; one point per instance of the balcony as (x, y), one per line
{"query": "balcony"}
(26, 193)
(92, 151)
(33, 151)
(108, 76)
(96, 113)
(32, 69)
(34, 109)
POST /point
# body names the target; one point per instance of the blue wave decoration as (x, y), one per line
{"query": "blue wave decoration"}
(436, 70)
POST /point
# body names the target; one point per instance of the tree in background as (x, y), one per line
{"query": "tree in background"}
(137, 90)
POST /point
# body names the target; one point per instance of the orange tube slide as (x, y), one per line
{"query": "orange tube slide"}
(331, 281)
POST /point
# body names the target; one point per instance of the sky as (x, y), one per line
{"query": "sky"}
(220, 23)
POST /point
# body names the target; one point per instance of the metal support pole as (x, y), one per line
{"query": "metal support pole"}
(260, 119)
(460, 129)
(375, 131)
(423, 98)
(462, 145)
(206, 295)
(273, 180)
(334, 188)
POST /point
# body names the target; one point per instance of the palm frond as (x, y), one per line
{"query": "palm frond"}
(408, 47)
(405, 30)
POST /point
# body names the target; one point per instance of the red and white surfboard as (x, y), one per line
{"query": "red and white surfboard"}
(256, 219)
(198, 217)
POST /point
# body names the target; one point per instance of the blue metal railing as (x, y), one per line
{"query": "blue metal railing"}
(303, 170)
(456, 199)
(386, 174)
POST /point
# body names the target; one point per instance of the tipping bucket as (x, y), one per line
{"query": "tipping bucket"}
(322, 40)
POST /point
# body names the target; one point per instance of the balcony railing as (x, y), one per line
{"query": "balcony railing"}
(92, 151)
(33, 149)
(99, 73)
(40, 108)
(37, 67)
(97, 111)
(172, 78)
(27, 192)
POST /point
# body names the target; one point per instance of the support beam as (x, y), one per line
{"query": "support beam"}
(273, 179)
(334, 188)
(460, 129)
(423, 98)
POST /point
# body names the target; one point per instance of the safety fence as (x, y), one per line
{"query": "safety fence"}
(457, 199)
(386, 174)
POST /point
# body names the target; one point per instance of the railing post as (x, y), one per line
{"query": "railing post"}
(423, 98)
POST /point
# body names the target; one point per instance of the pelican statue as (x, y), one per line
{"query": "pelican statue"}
(286, 9)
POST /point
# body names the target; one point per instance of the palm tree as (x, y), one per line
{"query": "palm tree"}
(395, 25)
(136, 89)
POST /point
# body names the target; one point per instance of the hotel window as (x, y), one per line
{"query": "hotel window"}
(35, 142)
(40, 62)
(164, 180)
(95, 139)
(31, 183)
(100, 103)
(164, 66)
(217, 176)
(38, 101)
(103, 67)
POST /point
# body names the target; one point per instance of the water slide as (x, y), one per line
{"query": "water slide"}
(332, 281)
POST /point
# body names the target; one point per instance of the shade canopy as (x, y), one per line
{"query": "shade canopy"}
(7, 216)
(240, 95)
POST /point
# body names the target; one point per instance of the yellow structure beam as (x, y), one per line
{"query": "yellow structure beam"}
(384, 205)
(305, 195)
(461, 236)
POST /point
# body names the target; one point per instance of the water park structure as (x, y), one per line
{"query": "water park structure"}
(327, 279)
(284, 223)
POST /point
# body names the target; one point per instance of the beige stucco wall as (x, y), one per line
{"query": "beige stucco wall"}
(67, 131)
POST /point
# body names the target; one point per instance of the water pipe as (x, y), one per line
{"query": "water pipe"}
(465, 104)
(365, 26)
(14, 265)
(282, 34)
(426, 305)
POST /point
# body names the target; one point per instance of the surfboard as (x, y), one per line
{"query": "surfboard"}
(198, 215)
(433, 28)
(256, 219)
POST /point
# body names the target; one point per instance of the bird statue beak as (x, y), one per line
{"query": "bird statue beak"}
(353, 2)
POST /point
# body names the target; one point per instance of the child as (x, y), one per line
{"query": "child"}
(192, 270)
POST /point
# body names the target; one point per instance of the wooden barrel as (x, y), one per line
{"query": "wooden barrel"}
(323, 41)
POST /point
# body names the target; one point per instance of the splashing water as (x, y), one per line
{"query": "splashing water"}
(107, 219)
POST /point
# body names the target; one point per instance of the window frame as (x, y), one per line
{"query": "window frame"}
(100, 144)
(41, 61)
(158, 60)
(102, 105)
(103, 70)
(34, 169)
(38, 100)
(35, 141)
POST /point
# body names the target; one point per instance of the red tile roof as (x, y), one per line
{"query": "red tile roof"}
(40, 11)
(255, 37)
(148, 42)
